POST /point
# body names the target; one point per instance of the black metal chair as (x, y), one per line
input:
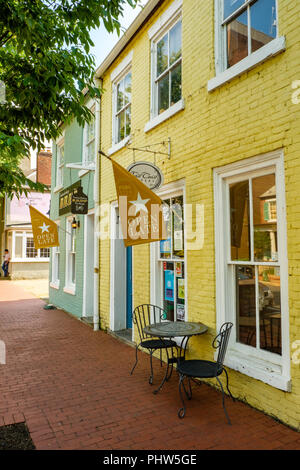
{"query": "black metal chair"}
(142, 316)
(201, 369)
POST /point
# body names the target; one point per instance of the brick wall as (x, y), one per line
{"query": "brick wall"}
(44, 168)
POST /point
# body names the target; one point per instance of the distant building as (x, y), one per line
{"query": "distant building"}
(15, 226)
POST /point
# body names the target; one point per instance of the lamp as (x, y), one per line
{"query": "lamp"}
(75, 223)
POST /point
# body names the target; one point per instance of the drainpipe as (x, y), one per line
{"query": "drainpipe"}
(97, 215)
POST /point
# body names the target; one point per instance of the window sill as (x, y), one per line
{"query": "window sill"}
(267, 372)
(30, 260)
(84, 171)
(269, 50)
(69, 290)
(54, 285)
(165, 115)
(116, 147)
(58, 188)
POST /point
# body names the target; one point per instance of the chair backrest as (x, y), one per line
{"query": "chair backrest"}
(147, 314)
(221, 342)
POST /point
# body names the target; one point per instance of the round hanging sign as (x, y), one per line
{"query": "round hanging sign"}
(147, 173)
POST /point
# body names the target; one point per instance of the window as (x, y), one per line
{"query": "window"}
(249, 25)
(166, 65)
(70, 256)
(89, 141)
(60, 161)
(22, 248)
(254, 254)
(170, 262)
(246, 35)
(122, 108)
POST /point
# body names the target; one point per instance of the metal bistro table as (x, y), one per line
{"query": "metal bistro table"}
(177, 329)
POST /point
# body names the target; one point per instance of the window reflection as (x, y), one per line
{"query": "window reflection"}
(263, 23)
(246, 305)
(265, 218)
(240, 221)
(237, 39)
(270, 308)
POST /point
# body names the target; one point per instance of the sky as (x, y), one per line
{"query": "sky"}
(104, 41)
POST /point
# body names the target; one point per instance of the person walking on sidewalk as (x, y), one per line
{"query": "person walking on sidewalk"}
(6, 262)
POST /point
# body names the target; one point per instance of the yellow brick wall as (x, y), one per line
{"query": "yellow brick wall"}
(251, 115)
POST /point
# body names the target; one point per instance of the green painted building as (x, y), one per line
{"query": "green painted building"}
(74, 264)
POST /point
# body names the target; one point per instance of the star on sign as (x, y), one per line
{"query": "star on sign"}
(140, 204)
(44, 228)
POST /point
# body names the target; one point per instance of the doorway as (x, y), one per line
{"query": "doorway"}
(121, 290)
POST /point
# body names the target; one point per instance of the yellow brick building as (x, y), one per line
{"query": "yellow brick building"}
(216, 83)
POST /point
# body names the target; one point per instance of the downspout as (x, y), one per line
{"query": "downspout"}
(97, 216)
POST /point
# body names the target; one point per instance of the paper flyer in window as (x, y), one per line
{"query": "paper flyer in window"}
(180, 312)
(178, 240)
(178, 270)
(169, 286)
(181, 292)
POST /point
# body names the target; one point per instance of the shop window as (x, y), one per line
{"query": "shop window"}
(254, 281)
(171, 261)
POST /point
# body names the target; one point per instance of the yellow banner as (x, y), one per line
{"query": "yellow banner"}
(45, 231)
(140, 209)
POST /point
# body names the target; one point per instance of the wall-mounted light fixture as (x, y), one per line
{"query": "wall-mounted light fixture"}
(75, 223)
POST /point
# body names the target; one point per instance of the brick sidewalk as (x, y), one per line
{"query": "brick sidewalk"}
(73, 388)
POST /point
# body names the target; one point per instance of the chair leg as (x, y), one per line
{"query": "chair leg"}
(151, 369)
(223, 401)
(181, 411)
(227, 384)
(136, 359)
(189, 391)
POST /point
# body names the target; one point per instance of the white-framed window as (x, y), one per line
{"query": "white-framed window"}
(168, 261)
(22, 248)
(55, 281)
(89, 139)
(167, 67)
(252, 267)
(60, 161)
(122, 107)
(246, 34)
(70, 257)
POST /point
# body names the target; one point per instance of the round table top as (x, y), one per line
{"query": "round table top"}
(175, 328)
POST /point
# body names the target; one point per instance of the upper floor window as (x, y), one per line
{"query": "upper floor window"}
(247, 26)
(166, 68)
(60, 161)
(122, 107)
(89, 140)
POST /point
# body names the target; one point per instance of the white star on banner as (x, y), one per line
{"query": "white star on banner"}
(44, 228)
(140, 204)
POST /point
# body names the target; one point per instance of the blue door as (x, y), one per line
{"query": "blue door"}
(129, 287)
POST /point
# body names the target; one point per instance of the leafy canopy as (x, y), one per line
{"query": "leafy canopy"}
(45, 64)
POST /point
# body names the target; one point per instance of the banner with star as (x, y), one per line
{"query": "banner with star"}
(45, 231)
(140, 209)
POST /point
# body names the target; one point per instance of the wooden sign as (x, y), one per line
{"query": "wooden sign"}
(80, 202)
(65, 198)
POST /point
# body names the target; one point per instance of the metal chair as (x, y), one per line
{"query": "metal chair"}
(142, 316)
(201, 369)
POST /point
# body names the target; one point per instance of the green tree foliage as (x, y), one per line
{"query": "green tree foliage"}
(45, 64)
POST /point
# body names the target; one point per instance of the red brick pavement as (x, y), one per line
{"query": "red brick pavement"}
(73, 388)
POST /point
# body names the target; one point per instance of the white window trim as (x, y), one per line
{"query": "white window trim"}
(54, 282)
(262, 365)
(86, 165)
(70, 287)
(165, 22)
(59, 184)
(167, 191)
(224, 75)
(116, 76)
(179, 106)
